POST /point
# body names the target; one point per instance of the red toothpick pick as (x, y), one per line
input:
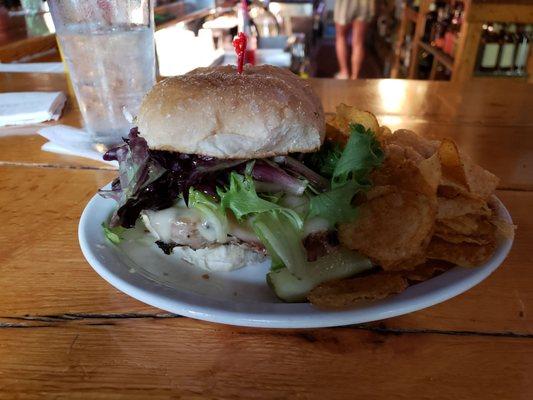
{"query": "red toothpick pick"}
(239, 43)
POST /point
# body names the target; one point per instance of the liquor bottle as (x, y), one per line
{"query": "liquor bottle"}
(425, 61)
(522, 49)
(507, 53)
(452, 34)
(414, 4)
(489, 48)
(441, 26)
(406, 52)
(431, 18)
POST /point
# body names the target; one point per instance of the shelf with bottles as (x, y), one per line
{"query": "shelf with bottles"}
(503, 50)
(441, 29)
(429, 27)
(437, 33)
(445, 59)
(451, 34)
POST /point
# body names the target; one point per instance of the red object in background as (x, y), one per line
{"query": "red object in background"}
(239, 43)
(4, 19)
(450, 40)
(106, 8)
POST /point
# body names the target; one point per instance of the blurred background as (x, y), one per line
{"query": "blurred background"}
(436, 40)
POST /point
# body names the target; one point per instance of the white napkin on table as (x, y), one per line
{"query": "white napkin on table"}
(45, 68)
(65, 139)
(23, 108)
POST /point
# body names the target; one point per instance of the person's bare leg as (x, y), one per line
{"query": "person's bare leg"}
(358, 46)
(341, 47)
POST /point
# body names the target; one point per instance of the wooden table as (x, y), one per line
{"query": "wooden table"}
(66, 333)
(27, 38)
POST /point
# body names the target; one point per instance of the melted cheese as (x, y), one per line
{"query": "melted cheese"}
(186, 226)
(178, 225)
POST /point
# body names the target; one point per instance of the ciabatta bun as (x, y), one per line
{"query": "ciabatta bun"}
(263, 112)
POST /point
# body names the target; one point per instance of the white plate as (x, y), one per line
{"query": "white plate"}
(242, 297)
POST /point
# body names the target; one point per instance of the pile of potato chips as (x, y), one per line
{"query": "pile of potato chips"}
(430, 208)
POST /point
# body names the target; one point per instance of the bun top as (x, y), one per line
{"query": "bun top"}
(263, 112)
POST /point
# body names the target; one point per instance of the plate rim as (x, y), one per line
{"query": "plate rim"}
(304, 315)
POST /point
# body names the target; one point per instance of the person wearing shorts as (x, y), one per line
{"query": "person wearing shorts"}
(357, 14)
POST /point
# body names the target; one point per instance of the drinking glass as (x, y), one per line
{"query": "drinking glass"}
(108, 46)
(32, 6)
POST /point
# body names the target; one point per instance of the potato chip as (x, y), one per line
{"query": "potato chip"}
(383, 132)
(480, 181)
(426, 271)
(348, 292)
(397, 154)
(429, 209)
(449, 189)
(466, 229)
(379, 190)
(347, 115)
(463, 254)
(504, 229)
(459, 170)
(408, 139)
(451, 164)
(330, 119)
(458, 238)
(410, 263)
(461, 205)
(406, 174)
(391, 228)
(465, 224)
(431, 171)
(334, 135)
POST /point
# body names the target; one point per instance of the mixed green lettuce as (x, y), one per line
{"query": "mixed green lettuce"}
(114, 235)
(242, 199)
(350, 173)
(328, 180)
(212, 211)
(280, 228)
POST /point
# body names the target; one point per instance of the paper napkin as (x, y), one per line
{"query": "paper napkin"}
(22, 108)
(65, 139)
(45, 68)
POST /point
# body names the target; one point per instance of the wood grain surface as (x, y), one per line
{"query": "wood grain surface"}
(159, 358)
(67, 334)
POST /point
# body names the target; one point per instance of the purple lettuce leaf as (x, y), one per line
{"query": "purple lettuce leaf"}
(152, 179)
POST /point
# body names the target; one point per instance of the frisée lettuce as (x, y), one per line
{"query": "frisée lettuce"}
(350, 174)
(279, 228)
(242, 199)
(213, 212)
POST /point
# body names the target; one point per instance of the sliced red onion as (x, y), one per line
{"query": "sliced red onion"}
(267, 187)
(317, 181)
(270, 172)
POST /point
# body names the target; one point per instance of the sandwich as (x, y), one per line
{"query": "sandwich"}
(224, 170)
